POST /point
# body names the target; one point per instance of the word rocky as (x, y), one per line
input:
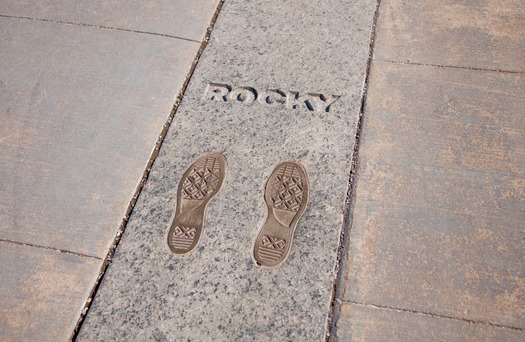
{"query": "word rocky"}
(271, 97)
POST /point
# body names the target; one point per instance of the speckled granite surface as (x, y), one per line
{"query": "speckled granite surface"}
(217, 292)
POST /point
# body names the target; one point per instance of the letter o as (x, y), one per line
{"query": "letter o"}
(243, 94)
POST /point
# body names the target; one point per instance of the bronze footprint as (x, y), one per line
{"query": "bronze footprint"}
(199, 184)
(286, 196)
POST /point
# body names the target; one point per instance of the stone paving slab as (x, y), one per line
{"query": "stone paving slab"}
(486, 34)
(80, 112)
(42, 292)
(362, 323)
(217, 291)
(180, 18)
(438, 215)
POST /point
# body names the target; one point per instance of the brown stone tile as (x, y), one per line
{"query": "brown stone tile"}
(80, 112)
(42, 292)
(487, 34)
(439, 210)
(180, 18)
(364, 323)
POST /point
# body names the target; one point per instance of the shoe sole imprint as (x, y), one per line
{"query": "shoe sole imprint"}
(199, 184)
(286, 196)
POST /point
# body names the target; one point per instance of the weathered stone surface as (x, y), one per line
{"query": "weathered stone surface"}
(217, 292)
(363, 323)
(180, 18)
(80, 111)
(42, 292)
(438, 216)
(486, 34)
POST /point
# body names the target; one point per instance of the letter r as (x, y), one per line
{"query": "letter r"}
(218, 92)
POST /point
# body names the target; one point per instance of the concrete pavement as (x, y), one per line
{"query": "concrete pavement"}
(408, 118)
(85, 90)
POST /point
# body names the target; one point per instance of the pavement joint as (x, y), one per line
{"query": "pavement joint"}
(98, 26)
(450, 66)
(429, 314)
(146, 173)
(50, 248)
(344, 239)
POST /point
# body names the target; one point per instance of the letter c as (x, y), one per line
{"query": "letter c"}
(273, 97)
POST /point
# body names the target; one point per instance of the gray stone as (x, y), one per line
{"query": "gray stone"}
(438, 215)
(42, 292)
(180, 18)
(366, 323)
(303, 49)
(80, 112)
(486, 34)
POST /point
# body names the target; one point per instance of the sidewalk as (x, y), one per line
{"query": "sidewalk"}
(85, 90)
(408, 117)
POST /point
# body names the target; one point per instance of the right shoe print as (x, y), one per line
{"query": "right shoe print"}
(286, 196)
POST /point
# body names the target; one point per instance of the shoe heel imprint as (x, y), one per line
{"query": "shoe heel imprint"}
(199, 184)
(286, 196)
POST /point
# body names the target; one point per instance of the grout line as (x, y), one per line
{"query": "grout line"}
(98, 26)
(50, 248)
(428, 314)
(146, 173)
(451, 66)
(344, 239)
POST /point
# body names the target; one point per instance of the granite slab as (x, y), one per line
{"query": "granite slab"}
(42, 292)
(80, 112)
(367, 323)
(187, 19)
(484, 34)
(438, 214)
(278, 81)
